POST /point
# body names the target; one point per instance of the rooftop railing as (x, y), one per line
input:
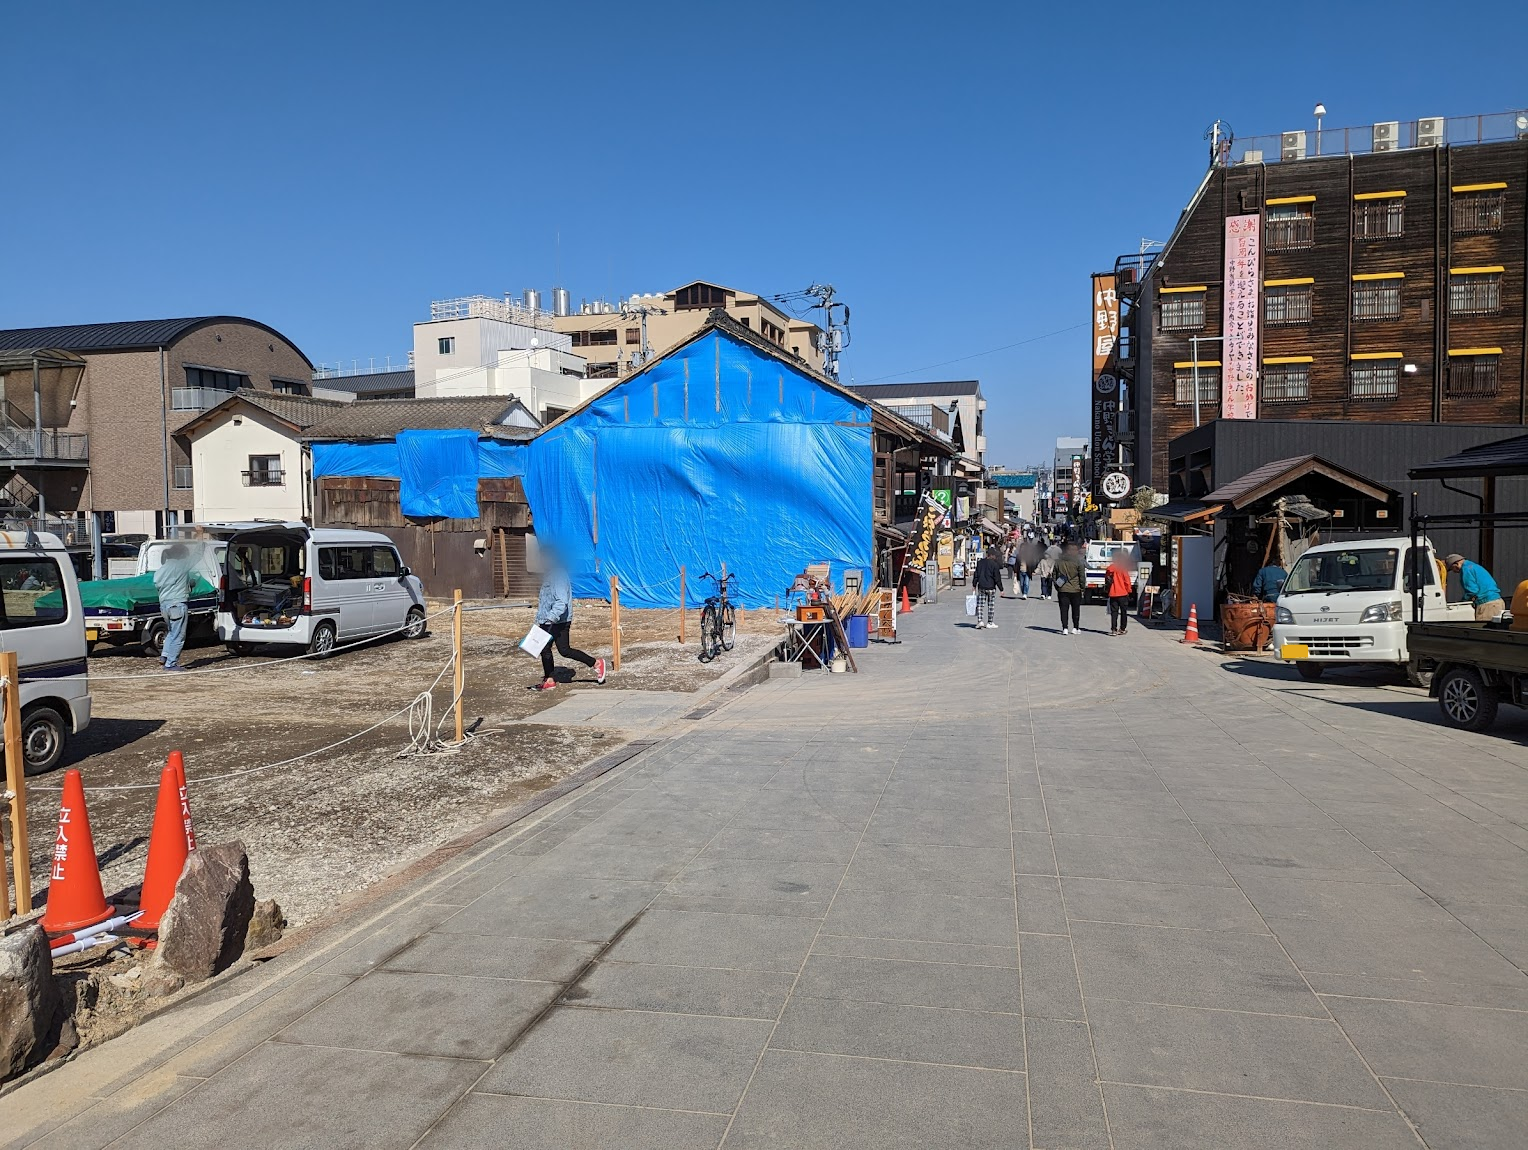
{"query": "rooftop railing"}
(1385, 136)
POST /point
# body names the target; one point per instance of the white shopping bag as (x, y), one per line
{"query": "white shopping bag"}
(970, 604)
(535, 639)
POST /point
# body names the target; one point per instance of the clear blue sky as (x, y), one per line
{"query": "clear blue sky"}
(956, 171)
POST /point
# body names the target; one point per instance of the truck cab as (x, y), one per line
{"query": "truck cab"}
(1349, 602)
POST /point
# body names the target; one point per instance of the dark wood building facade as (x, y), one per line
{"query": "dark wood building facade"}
(1391, 289)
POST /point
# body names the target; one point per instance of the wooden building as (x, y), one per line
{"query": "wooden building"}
(1390, 288)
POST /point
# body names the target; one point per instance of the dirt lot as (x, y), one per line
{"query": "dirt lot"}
(326, 827)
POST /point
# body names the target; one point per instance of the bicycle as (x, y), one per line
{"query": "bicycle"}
(718, 620)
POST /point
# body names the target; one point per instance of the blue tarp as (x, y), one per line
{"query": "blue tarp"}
(438, 474)
(370, 460)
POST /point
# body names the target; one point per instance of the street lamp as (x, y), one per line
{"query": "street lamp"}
(1320, 111)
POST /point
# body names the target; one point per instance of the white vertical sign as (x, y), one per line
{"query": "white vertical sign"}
(1238, 394)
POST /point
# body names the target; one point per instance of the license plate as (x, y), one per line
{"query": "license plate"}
(1294, 651)
(91, 634)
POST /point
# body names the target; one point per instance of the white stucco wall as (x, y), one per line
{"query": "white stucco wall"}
(219, 457)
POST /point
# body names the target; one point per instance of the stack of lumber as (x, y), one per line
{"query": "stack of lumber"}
(852, 604)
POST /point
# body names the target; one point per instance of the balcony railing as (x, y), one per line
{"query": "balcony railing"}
(273, 477)
(1394, 135)
(196, 398)
(62, 446)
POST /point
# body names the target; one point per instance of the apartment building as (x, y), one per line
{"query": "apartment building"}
(961, 401)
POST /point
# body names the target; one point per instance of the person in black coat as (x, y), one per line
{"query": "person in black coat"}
(988, 581)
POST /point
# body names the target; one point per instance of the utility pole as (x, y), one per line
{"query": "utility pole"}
(835, 322)
(641, 312)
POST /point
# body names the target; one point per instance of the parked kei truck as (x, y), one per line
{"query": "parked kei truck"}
(1347, 603)
(123, 612)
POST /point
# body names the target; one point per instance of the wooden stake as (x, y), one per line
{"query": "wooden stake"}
(615, 622)
(16, 783)
(460, 676)
(681, 603)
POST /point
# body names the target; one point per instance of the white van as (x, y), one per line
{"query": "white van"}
(316, 588)
(43, 623)
(1347, 603)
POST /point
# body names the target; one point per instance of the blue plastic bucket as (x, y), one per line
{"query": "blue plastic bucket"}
(858, 630)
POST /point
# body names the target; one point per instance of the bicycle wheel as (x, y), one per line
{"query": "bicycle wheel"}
(710, 633)
(729, 627)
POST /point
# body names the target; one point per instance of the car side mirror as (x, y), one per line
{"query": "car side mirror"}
(404, 572)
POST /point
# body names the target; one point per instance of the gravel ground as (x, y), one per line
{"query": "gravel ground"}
(327, 827)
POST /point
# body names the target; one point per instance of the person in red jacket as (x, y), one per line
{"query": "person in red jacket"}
(1119, 581)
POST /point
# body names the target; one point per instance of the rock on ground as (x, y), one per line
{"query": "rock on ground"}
(265, 926)
(203, 930)
(28, 998)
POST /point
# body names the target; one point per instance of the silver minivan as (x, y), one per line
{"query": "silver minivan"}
(316, 588)
(43, 623)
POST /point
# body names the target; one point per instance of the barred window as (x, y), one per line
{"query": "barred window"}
(1374, 380)
(1379, 219)
(1470, 375)
(1291, 226)
(1478, 212)
(1286, 382)
(1182, 310)
(1477, 293)
(1287, 305)
(1209, 386)
(1377, 299)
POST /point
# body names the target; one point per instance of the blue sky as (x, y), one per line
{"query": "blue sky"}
(956, 171)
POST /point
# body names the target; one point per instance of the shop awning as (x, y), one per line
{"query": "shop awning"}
(1261, 482)
(1184, 511)
(1504, 457)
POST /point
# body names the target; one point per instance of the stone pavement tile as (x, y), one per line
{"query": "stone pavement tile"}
(959, 954)
(1438, 953)
(1029, 814)
(550, 905)
(640, 862)
(808, 883)
(956, 870)
(1452, 1117)
(1305, 852)
(1146, 860)
(1156, 1119)
(1259, 786)
(241, 1034)
(307, 1096)
(929, 917)
(1240, 812)
(943, 790)
(1065, 1107)
(1348, 782)
(1041, 910)
(907, 983)
(1286, 894)
(1083, 812)
(827, 1102)
(547, 1124)
(1453, 880)
(633, 1058)
(1420, 826)
(725, 904)
(732, 941)
(374, 944)
(450, 1016)
(1300, 1059)
(478, 881)
(1190, 968)
(1452, 992)
(984, 828)
(1033, 854)
(787, 810)
(1049, 972)
(109, 1118)
(1443, 1043)
(1161, 904)
(1504, 928)
(682, 990)
(495, 956)
(779, 845)
(1104, 780)
(851, 806)
(905, 1033)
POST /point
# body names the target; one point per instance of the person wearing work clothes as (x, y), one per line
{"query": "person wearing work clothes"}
(173, 583)
(1268, 582)
(1479, 588)
(1119, 581)
(988, 581)
(1069, 580)
(554, 615)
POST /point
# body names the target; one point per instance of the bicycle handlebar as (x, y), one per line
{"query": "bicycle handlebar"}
(728, 578)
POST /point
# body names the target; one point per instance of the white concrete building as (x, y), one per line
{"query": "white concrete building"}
(961, 399)
(247, 457)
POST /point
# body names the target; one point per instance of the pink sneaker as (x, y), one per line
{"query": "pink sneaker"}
(546, 685)
(599, 670)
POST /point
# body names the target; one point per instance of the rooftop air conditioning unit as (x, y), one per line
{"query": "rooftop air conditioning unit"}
(1292, 146)
(1252, 156)
(1430, 132)
(1387, 136)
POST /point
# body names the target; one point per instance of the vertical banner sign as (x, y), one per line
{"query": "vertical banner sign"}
(1238, 396)
(1105, 379)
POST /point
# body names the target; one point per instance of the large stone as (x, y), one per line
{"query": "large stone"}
(266, 926)
(202, 931)
(28, 998)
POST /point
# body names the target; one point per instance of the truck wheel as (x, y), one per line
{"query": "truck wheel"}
(1465, 700)
(1417, 677)
(43, 734)
(153, 639)
(1310, 671)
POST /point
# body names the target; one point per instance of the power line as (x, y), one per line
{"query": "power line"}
(978, 354)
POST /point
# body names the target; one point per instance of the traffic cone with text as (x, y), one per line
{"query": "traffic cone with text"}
(177, 760)
(167, 852)
(1192, 634)
(75, 898)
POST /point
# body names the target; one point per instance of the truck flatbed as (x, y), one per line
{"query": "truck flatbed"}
(1474, 667)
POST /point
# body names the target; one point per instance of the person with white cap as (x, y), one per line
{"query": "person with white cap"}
(1479, 588)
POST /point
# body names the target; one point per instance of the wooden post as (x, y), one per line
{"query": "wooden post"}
(615, 622)
(681, 603)
(459, 678)
(16, 783)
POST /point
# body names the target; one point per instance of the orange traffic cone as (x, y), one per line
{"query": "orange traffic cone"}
(167, 852)
(179, 763)
(75, 898)
(906, 604)
(1192, 634)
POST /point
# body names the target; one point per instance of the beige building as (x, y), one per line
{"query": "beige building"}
(609, 336)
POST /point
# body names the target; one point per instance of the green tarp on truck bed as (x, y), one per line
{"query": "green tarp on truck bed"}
(135, 596)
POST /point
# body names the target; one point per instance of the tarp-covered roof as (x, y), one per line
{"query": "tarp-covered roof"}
(1261, 482)
(1503, 457)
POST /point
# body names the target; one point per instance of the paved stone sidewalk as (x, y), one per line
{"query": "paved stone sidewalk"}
(1004, 889)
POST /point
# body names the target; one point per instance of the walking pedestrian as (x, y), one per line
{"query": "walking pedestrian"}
(1479, 588)
(554, 615)
(1030, 553)
(1069, 581)
(173, 583)
(1119, 581)
(1045, 571)
(988, 581)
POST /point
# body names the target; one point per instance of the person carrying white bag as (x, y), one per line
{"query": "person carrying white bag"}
(554, 617)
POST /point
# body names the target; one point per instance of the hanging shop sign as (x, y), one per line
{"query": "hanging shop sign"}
(1238, 387)
(1106, 384)
(1105, 321)
(921, 545)
(1115, 486)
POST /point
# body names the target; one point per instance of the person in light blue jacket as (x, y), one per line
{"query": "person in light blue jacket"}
(554, 615)
(1479, 588)
(173, 583)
